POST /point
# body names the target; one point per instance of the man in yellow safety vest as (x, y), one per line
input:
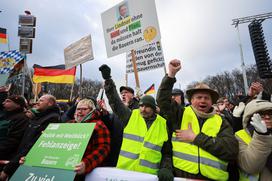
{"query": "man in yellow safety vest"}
(145, 134)
(203, 142)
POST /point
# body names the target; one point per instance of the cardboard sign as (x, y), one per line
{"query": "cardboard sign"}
(148, 58)
(78, 52)
(28, 173)
(60, 146)
(129, 25)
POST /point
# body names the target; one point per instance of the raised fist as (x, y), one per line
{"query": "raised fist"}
(174, 66)
(105, 71)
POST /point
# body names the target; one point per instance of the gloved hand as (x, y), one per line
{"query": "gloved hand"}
(165, 174)
(237, 111)
(258, 123)
(106, 71)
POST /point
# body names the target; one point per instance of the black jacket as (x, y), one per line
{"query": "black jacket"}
(17, 123)
(32, 133)
(123, 113)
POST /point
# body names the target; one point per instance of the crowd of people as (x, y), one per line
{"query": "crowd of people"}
(207, 137)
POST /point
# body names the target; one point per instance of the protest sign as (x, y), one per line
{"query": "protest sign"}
(60, 146)
(129, 25)
(115, 174)
(28, 173)
(78, 52)
(148, 57)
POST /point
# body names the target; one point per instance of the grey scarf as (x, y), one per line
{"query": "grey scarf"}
(203, 114)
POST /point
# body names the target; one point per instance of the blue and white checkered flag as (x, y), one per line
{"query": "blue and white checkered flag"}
(8, 60)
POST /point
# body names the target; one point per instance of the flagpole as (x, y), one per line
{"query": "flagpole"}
(23, 78)
(164, 68)
(72, 90)
(80, 84)
(126, 79)
(36, 92)
(8, 43)
(30, 76)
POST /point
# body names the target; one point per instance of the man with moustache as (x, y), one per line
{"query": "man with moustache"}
(145, 133)
(202, 142)
(127, 95)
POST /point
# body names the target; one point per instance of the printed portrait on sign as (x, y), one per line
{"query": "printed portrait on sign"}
(122, 11)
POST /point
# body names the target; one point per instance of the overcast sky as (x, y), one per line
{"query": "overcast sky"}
(199, 33)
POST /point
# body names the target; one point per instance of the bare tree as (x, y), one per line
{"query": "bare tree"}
(230, 84)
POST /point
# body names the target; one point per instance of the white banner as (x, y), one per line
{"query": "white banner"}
(148, 57)
(79, 52)
(129, 25)
(111, 173)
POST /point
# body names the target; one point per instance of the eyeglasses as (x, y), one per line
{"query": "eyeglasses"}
(82, 109)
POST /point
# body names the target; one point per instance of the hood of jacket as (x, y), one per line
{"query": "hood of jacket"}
(255, 106)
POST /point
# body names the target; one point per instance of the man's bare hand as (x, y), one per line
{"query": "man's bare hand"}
(186, 135)
(5, 88)
(173, 67)
(80, 168)
(3, 176)
(255, 89)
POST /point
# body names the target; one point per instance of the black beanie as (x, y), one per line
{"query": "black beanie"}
(18, 100)
(148, 100)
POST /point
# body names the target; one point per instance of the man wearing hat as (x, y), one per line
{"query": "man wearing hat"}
(203, 142)
(145, 135)
(127, 95)
(13, 123)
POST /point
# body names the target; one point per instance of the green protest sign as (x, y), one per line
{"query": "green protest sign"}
(28, 173)
(60, 146)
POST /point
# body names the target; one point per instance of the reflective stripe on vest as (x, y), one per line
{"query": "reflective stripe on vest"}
(141, 148)
(243, 135)
(133, 137)
(192, 159)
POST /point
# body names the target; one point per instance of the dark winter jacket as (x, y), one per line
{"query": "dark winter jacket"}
(16, 125)
(3, 123)
(115, 127)
(124, 113)
(133, 104)
(32, 133)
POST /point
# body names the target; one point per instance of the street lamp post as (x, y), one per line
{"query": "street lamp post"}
(26, 31)
(242, 60)
(236, 23)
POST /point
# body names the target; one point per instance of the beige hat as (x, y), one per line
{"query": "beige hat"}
(255, 106)
(202, 87)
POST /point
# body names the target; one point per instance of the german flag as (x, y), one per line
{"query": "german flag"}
(150, 90)
(3, 35)
(54, 74)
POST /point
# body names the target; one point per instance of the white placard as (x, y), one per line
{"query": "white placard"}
(115, 174)
(138, 27)
(148, 58)
(79, 52)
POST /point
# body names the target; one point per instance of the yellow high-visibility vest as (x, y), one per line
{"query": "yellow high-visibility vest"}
(243, 134)
(141, 147)
(193, 159)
